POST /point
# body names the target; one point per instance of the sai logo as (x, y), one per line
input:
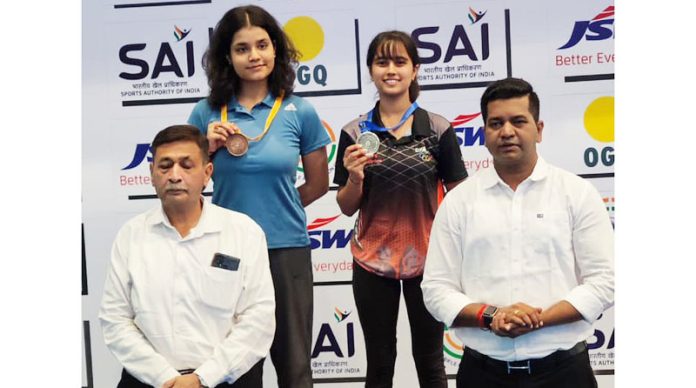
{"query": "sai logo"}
(308, 37)
(327, 334)
(326, 239)
(341, 315)
(165, 61)
(601, 338)
(459, 42)
(469, 135)
(180, 34)
(475, 16)
(601, 27)
(332, 149)
(599, 124)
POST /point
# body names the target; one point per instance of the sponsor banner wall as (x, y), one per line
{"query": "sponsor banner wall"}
(142, 71)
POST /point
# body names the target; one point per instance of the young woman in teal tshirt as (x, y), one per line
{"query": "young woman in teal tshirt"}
(258, 132)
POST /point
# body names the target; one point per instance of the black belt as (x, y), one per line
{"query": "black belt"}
(186, 371)
(530, 366)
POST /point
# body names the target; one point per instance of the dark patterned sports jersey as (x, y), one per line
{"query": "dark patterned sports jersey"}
(401, 192)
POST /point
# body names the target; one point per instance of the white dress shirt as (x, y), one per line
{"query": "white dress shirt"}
(165, 308)
(547, 241)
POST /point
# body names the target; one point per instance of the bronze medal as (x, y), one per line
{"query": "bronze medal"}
(237, 144)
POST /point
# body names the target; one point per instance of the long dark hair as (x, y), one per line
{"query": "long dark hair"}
(222, 79)
(386, 43)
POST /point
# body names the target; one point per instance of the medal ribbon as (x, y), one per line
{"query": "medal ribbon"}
(368, 125)
(269, 120)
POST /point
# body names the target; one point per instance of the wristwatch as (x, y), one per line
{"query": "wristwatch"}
(488, 314)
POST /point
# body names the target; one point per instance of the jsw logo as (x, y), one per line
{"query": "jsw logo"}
(142, 152)
(326, 239)
(468, 136)
(599, 28)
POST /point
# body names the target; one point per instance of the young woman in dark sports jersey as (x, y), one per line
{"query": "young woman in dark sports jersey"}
(394, 164)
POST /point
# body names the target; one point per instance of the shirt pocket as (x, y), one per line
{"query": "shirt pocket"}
(547, 252)
(549, 237)
(220, 288)
(547, 231)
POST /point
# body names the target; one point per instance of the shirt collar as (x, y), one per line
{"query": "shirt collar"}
(419, 127)
(206, 224)
(541, 170)
(490, 176)
(234, 104)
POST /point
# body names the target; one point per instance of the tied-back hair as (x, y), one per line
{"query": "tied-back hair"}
(384, 45)
(222, 79)
(508, 88)
(176, 133)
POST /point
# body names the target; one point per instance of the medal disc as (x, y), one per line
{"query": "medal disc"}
(237, 144)
(369, 141)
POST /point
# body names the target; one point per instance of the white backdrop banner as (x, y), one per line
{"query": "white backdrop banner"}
(142, 72)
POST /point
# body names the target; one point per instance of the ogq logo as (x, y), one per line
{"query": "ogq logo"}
(599, 124)
(307, 36)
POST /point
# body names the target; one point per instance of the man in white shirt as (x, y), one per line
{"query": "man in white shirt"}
(520, 260)
(188, 299)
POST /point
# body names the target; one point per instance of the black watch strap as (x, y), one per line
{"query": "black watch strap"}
(488, 314)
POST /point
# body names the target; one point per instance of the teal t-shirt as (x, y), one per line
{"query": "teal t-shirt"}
(261, 183)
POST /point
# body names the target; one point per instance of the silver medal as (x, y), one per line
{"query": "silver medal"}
(369, 141)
